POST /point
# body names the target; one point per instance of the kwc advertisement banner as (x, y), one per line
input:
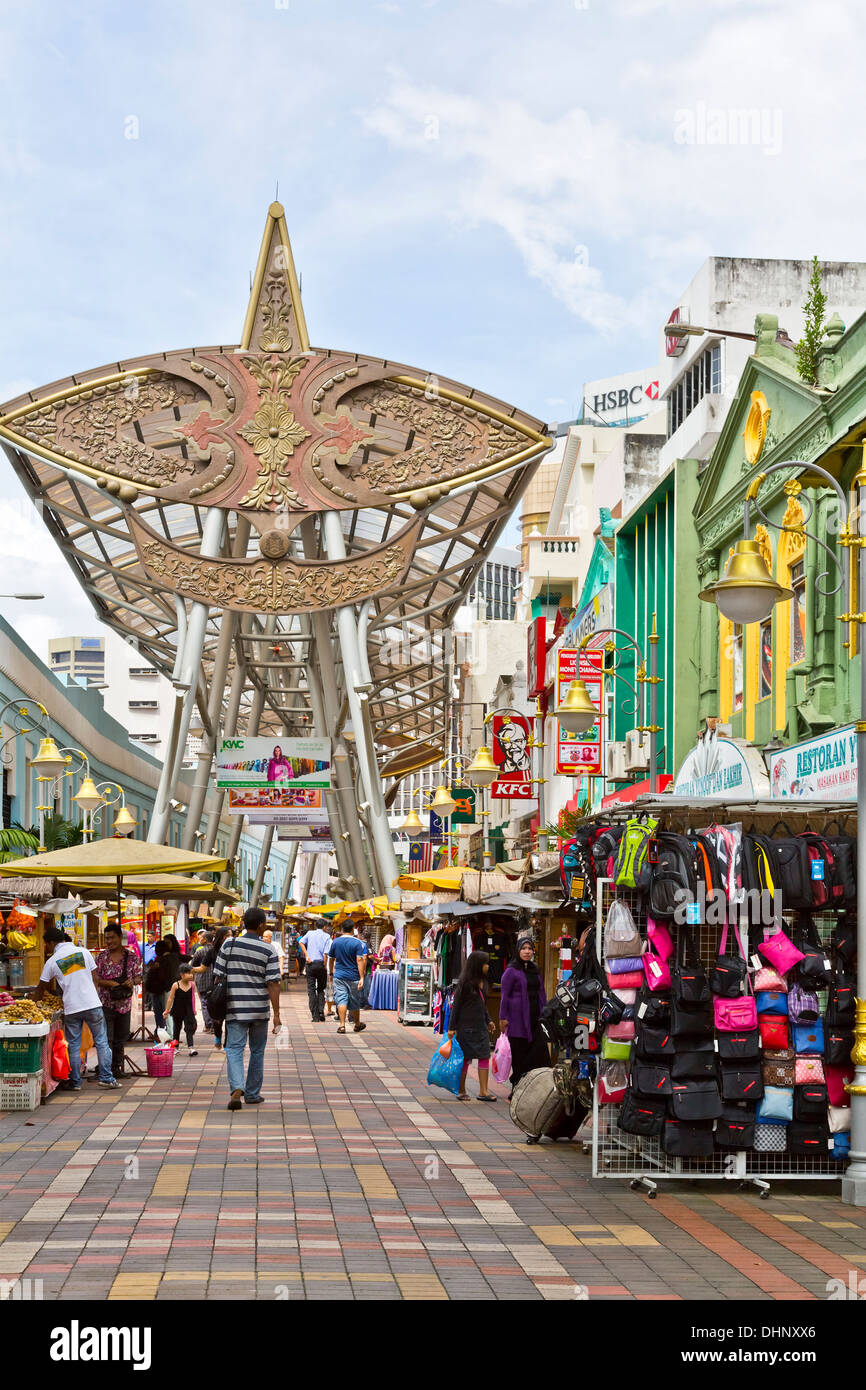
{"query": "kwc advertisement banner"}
(511, 744)
(579, 754)
(274, 762)
(266, 802)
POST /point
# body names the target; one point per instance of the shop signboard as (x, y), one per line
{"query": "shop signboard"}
(266, 763)
(819, 769)
(591, 618)
(579, 755)
(536, 653)
(723, 769)
(464, 811)
(511, 745)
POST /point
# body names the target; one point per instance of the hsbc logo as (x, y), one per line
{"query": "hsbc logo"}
(624, 397)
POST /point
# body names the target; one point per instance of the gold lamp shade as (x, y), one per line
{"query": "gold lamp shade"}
(49, 761)
(577, 713)
(482, 771)
(443, 803)
(87, 797)
(124, 821)
(748, 591)
(413, 826)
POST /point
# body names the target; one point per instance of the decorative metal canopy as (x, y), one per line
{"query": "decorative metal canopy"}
(126, 461)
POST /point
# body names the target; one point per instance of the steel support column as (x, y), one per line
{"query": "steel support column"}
(261, 870)
(286, 890)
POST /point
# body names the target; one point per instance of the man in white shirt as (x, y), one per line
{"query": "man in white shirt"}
(74, 969)
(313, 947)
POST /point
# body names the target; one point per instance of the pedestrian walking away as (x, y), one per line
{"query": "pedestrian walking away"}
(471, 1023)
(251, 970)
(160, 977)
(347, 963)
(202, 968)
(118, 969)
(312, 948)
(180, 1008)
(269, 938)
(73, 969)
(520, 1005)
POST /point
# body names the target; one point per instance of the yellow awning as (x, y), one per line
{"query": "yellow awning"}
(368, 907)
(113, 858)
(432, 880)
(153, 886)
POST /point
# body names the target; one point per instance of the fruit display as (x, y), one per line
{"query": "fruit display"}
(29, 1011)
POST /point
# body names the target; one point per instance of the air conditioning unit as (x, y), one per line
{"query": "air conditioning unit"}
(636, 751)
(614, 762)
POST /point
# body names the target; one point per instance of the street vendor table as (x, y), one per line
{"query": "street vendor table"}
(383, 990)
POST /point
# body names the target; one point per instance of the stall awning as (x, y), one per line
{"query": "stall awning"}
(433, 879)
(35, 890)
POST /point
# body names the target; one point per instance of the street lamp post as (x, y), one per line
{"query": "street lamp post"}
(747, 594)
(35, 724)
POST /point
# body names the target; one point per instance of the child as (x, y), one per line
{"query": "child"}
(180, 1008)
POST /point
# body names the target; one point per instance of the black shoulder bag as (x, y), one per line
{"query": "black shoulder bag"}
(121, 990)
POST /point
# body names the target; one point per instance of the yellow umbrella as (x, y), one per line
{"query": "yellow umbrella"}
(155, 886)
(112, 858)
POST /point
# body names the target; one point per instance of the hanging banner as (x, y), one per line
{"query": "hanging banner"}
(274, 762)
(536, 652)
(251, 801)
(819, 769)
(303, 819)
(464, 806)
(511, 736)
(578, 755)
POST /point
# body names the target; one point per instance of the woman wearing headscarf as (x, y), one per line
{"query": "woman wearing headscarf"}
(387, 953)
(520, 1004)
(471, 1023)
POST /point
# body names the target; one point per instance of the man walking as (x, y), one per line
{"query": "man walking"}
(312, 948)
(347, 963)
(251, 970)
(74, 969)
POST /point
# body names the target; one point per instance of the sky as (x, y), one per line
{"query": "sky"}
(512, 193)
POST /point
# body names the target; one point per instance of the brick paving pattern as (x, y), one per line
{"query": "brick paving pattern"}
(357, 1181)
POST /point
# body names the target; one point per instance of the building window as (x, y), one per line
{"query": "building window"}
(737, 668)
(144, 704)
(797, 581)
(703, 377)
(57, 657)
(139, 672)
(765, 659)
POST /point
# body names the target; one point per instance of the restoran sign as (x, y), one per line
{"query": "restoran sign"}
(720, 768)
(819, 769)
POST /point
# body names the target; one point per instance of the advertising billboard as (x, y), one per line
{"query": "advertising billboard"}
(579, 755)
(248, 801)
(274, 762)
(511, 753)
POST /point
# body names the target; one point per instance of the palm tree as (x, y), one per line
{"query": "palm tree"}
(59, 833)
(16, 842)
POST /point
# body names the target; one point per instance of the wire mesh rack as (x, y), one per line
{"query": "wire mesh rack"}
(642, 1160)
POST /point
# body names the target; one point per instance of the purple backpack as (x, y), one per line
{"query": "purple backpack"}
(802, 1005)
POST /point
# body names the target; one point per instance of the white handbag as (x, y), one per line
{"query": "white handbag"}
(839, 1118)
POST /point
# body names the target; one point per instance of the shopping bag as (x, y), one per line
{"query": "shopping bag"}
(60, 1068)
(501, 1062)
(446, 1071)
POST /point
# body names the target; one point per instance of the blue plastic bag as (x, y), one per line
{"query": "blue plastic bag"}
(446, 1071)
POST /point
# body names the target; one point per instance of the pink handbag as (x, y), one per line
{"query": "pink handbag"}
(624, 1032)
(633, 979)
(808, 1069)
(658, 975)
(660, 939)
(628, 996)
(735, 1015)
(781, 952)
(768, 978)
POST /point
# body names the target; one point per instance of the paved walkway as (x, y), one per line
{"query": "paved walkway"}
(355, 1180)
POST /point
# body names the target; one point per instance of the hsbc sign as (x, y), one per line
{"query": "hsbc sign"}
(623, 398)
(620, 399)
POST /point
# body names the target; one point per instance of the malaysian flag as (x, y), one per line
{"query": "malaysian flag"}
(420, 856)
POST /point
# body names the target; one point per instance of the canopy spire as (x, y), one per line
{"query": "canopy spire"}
(275, 315)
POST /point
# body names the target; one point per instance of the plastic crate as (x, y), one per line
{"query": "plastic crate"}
(20, 1054)
(21, 1092)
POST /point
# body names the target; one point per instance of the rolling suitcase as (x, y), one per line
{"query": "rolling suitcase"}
(537, 1108)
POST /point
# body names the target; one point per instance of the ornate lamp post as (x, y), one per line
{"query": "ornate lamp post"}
(746, 594)
(124, 821)
(18, 713)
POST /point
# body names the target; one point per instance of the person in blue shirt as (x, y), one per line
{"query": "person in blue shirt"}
(311, 949)
(347, 965)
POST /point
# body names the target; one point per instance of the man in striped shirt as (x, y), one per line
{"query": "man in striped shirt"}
(251, 968)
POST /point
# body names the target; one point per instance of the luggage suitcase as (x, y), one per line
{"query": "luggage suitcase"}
(537, 1108)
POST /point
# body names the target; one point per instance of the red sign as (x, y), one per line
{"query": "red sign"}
(579, 754)
(626, 794)
(674, 346)
(511, 735)
(536, 649)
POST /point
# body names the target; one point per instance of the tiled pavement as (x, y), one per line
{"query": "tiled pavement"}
(355, 1180)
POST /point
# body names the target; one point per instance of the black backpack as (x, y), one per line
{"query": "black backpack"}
(792, 872)
(673, 877)
(844, 848)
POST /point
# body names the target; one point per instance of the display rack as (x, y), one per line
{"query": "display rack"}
(415, 991)
(642, 1161)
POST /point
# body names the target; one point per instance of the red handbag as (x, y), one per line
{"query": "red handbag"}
(774, 1030)
(835, 1077)
(631, 979)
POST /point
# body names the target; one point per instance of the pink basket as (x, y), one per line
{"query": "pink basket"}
(160, 1060)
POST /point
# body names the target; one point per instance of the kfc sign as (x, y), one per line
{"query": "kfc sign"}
(511, 743)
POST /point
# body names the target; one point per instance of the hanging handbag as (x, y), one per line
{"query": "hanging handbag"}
(771, 1138)
(735, 1128)
(735, 1015)
(654, 1009)
(810, 1103)
(835, 1078)
(740, 1046)
(656, 972)
(650, 1078)
(623, 965)
(809, 1037)
(841, 1146)
(630, 979)
(741, 1081)
(814, 969)
(697, 1064)
(837, 1047)
(778, 1073)
(689, 984)
(729, 971)
(653, 1042)
(771, 1001)
(808, 1070)
(808, 1140)
(696, 1099)
(840, 1005)
(839, 1118)
(690, 1020)
(774, 1031)
(768, 978)
(776, 1105)
(612, 1082)
(643, 1115)
(218, 999)
(780, 951)
(611, 1050)
(659, 938)
(627, 997)
(844, 941)
(802, 1005)
(688, 1139)
(621, 936)
(620, 1032)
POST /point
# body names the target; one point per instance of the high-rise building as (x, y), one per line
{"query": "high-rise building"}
(82, 658)
(493, 595)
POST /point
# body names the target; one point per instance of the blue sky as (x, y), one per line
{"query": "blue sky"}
(494, 190)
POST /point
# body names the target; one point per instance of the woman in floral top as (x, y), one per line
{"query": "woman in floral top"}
(117, 971)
